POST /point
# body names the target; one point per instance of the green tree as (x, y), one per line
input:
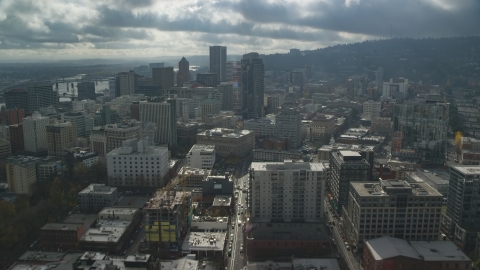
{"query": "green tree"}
(57, 191)
(8, 237)
(98, 172)
(7, 211)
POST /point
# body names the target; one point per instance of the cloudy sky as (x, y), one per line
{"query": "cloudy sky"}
(75, 29)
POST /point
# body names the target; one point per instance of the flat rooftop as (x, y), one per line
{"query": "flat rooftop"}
(222, 201)
(62, 226)
(227, 133)
(467, 170)
(375, 189)
(132, 201)
(268, 166)
(439, 251)
(194, 171)
(204, 241)
(88, 220)
(117, 211)
(315, 264)
(104, 234)
(388, 247)
(98, 188)
(33, 260)
(289, 231)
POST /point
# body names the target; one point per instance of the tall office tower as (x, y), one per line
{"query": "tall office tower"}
(126, 83)
(420, 132)
(371, 109)
(41, 95)
(17, 140)
(289, 125)
(308, 71)
(237, 100)
(183, 74)
(60, 137)
(164, 116)
(253, 85)
(12, 116)
(234, 72)
(183, 114)
(16, 98)
(98, 141)
(21, 174)
(35, 133)
(207, 79)
(155, 65)
(112, 88)
(379, 78)
(116, 134)
(226, 89)
(461, 222)
(210, 107)
(86, 90)
(345, 167)
(359, 85)
(218, 62)
(78, 119)
(396, 89)
(162, 77)
(391, 207)
(287, 191)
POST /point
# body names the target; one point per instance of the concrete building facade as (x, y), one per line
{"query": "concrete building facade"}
(345, 166)
(137, 164)
(35, 133)
(391, 207)
(287, 191)
(95, 197)
(201, 156)
(228, 141)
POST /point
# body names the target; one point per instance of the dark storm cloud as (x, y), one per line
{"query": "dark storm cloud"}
(408, 18)
(255, 21)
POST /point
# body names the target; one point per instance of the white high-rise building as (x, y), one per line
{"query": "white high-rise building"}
(371, 109)
(201, 156)
(137, 164)
(287, 191)
(35, 133)
(396, 89)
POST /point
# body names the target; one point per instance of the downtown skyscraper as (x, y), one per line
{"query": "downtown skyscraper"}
(183, 74)
(253, 85)
(218, 61)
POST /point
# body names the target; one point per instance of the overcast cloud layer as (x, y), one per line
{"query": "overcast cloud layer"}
(73, 29)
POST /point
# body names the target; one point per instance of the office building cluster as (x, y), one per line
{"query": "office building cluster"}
(235, 160)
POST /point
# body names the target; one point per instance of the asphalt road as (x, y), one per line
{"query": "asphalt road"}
(237, 261)
(347, 255)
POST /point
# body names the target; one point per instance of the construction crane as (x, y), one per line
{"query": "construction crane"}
(185, 207)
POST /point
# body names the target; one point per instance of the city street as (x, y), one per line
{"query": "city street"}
(352, 262)
(237, 260)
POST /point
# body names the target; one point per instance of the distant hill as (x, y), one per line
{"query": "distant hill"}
(417, 59)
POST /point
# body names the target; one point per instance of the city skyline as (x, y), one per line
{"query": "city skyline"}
(58, 30)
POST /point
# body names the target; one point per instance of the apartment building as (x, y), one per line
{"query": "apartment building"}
(286, 191)
(345, 166)
(116, 134)
(137, 164)
(460, 221)
(60, 137)
(391, 207)
(371, 109)
(21, 174)
(35, 133)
